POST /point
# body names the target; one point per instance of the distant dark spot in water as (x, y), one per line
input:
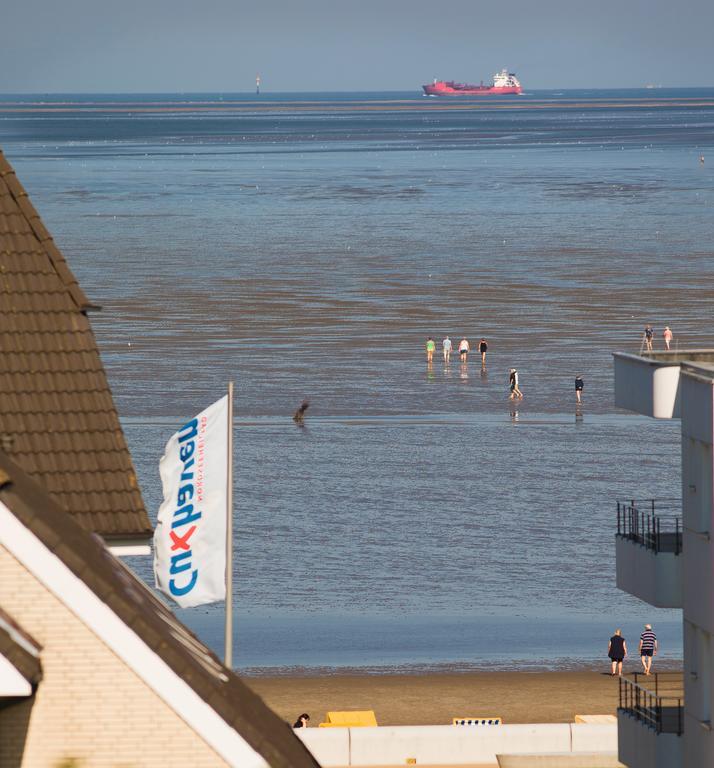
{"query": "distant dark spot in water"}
(606, 190)
(350, 192)
(132, 215)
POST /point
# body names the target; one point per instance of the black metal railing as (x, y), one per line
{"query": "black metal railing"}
(655, 700)
(654, 523)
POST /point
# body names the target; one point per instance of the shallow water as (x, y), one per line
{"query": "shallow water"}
(363, 542)
(306, 245)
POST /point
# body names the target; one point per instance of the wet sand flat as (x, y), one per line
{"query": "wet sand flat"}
(517, 697)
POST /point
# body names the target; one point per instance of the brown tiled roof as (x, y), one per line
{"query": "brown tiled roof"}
(57, 416)
(134, 603)
(21, 650)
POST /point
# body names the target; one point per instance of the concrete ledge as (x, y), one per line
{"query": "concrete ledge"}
(655, 577)
(561, 760)
(648, 385)
(642, 747)
(329, 746)
(445, 745)
(594, 737)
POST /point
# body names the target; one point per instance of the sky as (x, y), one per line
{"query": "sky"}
(134, 46)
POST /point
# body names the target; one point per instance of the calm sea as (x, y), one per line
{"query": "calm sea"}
(305, 245)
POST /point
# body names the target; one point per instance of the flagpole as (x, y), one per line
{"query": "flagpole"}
(229, 536)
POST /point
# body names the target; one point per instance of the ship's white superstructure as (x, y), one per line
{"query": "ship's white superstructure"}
(505, 79)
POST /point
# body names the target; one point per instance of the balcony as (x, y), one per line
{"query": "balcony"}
(649, 382)
(650, 720)
(648, 547)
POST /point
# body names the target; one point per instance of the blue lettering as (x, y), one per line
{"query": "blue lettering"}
(185, 494)
(184, 516)
(192, 427)
(177, 566)
(185, 475)
(186, 451)
(178, 591)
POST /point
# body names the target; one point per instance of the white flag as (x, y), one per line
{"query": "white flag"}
(190, 535)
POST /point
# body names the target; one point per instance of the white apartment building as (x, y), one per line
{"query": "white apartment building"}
(667, 559)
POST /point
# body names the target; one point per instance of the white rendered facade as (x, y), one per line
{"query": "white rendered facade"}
(672, 385)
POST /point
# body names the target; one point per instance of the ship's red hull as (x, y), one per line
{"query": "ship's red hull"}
(458, 89)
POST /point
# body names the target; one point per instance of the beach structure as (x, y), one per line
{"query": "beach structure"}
(58, 421)
(664, 556)
(96, 671)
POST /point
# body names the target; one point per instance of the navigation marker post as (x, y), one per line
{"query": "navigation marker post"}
(228, 657)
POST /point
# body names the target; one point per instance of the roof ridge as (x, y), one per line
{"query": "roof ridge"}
(20, 196)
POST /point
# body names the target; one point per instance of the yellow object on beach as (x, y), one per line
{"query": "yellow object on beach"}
(357, 719)
(477, 721)
(602, 719)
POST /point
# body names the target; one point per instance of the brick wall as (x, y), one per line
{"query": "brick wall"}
(90, 707)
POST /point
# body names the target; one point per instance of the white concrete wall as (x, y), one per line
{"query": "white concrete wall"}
(330, 746)
(698, 576)
(593, 737)
(698, 744)
(642, 747)
(699, 573)
(646, 386)
(696, 406)
(451, 745)
(697, 484)
(655, 578)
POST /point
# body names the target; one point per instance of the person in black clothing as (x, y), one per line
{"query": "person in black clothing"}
(483, 348)
(649, 335)
(302, 721)
(579, 384)
(617, 650)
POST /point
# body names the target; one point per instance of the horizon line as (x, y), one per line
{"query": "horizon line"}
(646, 87)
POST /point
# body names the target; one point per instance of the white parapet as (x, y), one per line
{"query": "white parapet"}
(641, 746)
(447, 745)
(647, 385)
(655, 577)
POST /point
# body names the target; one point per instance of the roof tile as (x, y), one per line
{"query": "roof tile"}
(57, 414)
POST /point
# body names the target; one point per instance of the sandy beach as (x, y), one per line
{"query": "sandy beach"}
(433, 699)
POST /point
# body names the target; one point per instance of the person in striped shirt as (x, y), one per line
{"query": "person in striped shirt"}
(648, 647)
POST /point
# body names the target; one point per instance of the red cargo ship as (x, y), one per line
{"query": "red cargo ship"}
(504, 82)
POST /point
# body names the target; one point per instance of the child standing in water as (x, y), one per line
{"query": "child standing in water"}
(579, 387)
(430, 347)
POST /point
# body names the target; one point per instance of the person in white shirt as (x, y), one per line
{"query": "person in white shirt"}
(516, 393)
(464, 349)
(446, 344)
